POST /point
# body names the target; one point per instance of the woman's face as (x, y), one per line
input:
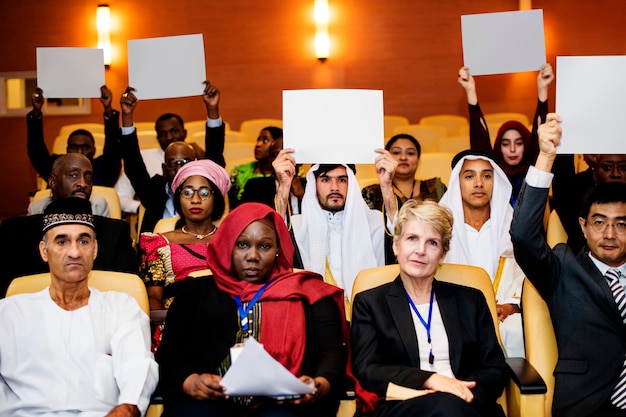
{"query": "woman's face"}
(255, 252)
(512, 146)
(199, 206)
(419, 250)
(263, 144)
(405, 153)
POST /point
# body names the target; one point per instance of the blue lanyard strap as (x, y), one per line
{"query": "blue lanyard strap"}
(431, 357)
(243, 313)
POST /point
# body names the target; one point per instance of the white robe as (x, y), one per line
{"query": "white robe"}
(84, 362)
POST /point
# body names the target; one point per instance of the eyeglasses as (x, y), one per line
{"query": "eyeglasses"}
(600, 226)
(172, 164)
(204, 193)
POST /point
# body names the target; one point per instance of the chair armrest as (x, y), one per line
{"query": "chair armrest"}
(526, 377)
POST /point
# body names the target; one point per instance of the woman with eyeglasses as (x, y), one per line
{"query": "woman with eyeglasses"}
(199, 189)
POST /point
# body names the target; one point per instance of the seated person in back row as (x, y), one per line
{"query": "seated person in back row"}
(106, 167)
(20, 236)
(70, 349)
(154, 191)
(169, 128)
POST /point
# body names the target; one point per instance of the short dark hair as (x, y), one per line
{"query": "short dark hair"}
(610, 192)
(84, 133)
(219, 205)
(169, 116)
(325, 168)
(407, 137)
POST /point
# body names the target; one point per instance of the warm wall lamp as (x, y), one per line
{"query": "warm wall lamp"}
(103, 25)
(322, 40)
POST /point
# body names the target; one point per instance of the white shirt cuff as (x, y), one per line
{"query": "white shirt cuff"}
(538, 178)
(214, 122)
(128, 129)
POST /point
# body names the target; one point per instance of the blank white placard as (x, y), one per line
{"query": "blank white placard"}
(504, 42)
(70, 72)
(167, 67)
(591, 100)
(333, 126)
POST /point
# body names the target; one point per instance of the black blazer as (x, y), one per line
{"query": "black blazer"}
(590, 334)
(385, 347)
(19, 247)
(151, 191)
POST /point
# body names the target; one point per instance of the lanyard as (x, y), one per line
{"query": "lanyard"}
(431, 357)
(243, 314)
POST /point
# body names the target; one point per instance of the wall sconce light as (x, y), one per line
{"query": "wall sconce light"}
(322, 40)
(103, 25)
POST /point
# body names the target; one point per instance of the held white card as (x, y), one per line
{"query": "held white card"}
(167, 67)
(256, 373)
(504, 42)
(591, 100)
(333, 126)
(70, 72)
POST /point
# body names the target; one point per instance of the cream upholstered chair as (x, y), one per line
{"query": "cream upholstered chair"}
(453, 144)
(166, 225)
(147, 139)
(520, 397)
(452, 122)
(91, 127)
(390, 123)
(435, 164)
(252, 127)
(59, 146)
(500, 118)
(144, 126)
(108, 193)
(427, 136)
(103, 281)
(555, 233)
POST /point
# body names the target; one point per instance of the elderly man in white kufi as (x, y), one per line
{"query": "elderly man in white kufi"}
(337, 234)
(478, 195)
(71, 350)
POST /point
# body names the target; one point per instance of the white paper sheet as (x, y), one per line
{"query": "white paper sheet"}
(167, 67)
(70, 72)
(333, 126)
(256, 373)
(504, 42)
(591, 99)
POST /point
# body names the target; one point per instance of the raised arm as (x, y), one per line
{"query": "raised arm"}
(385, 168)
(38, 153)
(110, 162)
(285, 169)
(479, 133)
(214, 130)
(544, 79)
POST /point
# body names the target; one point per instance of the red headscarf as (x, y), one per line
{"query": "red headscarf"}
(283, 327)
(530, 151)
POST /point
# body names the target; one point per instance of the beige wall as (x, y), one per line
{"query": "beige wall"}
(254, 49)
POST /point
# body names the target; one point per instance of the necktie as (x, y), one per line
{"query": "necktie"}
(618, 398)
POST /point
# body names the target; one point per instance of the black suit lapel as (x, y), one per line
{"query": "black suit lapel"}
(399, 307)
(450, 316)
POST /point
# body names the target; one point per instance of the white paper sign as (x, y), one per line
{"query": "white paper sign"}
(333, 126)
(256, 373)
(70, 72)
(167, 67)
(591, 100)
(500, 43)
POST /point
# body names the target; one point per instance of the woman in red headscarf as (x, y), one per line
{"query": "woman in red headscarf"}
(515, 147)
(253, 292)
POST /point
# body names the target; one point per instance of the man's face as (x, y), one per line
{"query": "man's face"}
(81, 144)
(476, 180)
(177, 155)
(170, 130)
(73, 179)
(610, 168)
(70, 251)
(605, 231)
(332, 189)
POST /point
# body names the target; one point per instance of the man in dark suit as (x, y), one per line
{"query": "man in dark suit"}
(20, 236)
(588, 324)
(154, 192)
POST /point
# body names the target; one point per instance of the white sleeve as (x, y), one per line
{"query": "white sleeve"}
(135, 370)
(126, 192)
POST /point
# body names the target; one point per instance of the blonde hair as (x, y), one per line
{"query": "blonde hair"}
(430, 212)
